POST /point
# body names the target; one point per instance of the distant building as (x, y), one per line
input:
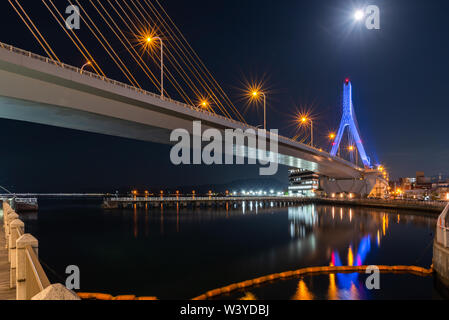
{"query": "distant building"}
(303, 182)
(380, 189)
(422, 182)
(407, 183)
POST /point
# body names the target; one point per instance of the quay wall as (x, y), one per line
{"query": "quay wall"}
(441, 263)
(423, 206)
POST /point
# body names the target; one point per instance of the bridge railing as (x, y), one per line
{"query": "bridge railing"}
(142, 91)
(26, 273)
(442, 236)
(187, 199)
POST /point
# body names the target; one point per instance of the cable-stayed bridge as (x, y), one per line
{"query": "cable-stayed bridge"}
(45, 90)
(40, 90)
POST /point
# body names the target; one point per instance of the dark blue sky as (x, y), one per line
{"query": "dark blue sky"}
(305, 48)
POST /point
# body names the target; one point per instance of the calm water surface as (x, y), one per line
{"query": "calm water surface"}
(180, 254)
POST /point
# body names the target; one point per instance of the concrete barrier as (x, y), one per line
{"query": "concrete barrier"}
(441, 247)
(26, 272)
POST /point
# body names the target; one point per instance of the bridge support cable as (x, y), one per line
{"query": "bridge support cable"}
(187, 73)
(136, 56)
(176, 50)
(79, 45)
(132, 51)
(142, 29)
(108, 48)
(34, 31)
(199, 93)
(190, 55)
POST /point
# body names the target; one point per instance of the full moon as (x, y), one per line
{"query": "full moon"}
(358, 15)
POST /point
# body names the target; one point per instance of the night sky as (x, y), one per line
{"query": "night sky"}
(304, 50)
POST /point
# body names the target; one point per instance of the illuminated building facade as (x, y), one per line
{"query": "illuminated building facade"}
(304, 183)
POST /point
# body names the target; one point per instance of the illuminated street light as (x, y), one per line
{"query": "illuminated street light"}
(151, 40)
(88, 63)
(204, 104)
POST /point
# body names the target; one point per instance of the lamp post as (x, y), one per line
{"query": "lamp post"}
(304, 120)
(88, 63)
(332, 137)
(149, 41)
(351, 149)
(256, 94)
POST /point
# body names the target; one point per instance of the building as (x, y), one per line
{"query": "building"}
(422, 182)
(407, 183)
(304, 183)
(380, 189)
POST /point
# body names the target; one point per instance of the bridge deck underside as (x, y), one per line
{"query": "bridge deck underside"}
(35, 91)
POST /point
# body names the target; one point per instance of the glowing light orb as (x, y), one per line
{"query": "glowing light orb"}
(359, 15)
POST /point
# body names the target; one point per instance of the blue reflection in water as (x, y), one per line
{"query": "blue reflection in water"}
(348, 283)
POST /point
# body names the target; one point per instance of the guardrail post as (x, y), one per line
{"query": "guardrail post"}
(11, 217)
(445, 238)
(6, 210)
(21, 260)
(17, 227)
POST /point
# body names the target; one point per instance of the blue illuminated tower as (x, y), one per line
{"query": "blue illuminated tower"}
(349, 120)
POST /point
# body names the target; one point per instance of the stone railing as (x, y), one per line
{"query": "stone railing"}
(26, 273)
(442, 235)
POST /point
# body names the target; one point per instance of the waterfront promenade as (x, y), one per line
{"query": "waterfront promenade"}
(5, 292)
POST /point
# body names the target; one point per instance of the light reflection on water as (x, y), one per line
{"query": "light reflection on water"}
(179, 253)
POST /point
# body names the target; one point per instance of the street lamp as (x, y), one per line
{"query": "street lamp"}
(151, 40)
(304, 120)
(351, 149)
(88, 63)
(256, 94)
(204, 104)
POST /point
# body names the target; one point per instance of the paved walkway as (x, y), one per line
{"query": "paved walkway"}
(5, 292)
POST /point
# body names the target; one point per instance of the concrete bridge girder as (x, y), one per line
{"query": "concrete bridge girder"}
(362, 187)
(62, 96)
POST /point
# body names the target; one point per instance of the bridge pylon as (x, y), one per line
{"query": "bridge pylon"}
(349, 121)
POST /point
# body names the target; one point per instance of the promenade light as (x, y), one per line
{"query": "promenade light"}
(332, 136)
(351, 148)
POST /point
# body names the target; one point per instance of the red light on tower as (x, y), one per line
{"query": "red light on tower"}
(347, 81)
